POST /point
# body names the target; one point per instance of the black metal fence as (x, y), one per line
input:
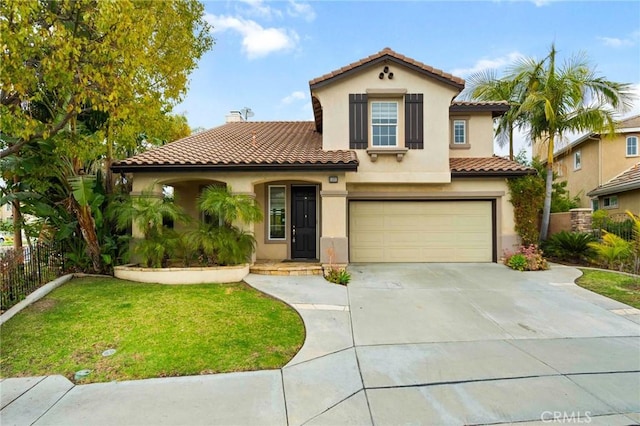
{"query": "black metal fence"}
(23, 273)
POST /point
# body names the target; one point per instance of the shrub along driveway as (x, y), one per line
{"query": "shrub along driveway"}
(412, 344)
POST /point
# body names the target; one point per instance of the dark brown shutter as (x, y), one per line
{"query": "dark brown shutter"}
(358, 121)
(413, 121)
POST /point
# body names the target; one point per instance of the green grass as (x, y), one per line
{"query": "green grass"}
(620, 287)
(157, 330)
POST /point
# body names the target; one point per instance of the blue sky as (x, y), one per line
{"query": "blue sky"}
(267, 51)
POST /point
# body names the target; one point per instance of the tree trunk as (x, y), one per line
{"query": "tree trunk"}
(88, 229)
(17, 218)
(546, 209)
(511, 142)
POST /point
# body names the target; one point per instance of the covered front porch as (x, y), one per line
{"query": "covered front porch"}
(304, 213)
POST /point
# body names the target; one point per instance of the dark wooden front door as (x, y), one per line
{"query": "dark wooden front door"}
(303, 223)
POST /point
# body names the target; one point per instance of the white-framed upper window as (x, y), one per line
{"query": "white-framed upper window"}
(384, 123)
(459, 132)
(577, 160)
(610, 202)
(277, 212)
(632, 146)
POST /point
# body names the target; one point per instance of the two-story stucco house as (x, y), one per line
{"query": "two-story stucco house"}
(604, 171)
(391, 169)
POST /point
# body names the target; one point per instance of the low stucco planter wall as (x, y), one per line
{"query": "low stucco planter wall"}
(216, 274)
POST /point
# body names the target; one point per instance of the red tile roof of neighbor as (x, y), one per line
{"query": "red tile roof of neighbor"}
(276, 145)
(389, 54)
(626, 181)
(246, 145)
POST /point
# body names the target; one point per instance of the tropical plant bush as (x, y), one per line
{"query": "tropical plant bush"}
(570, 246)
(613, 251)
(221, 242)
(338, 276)
(526, 258)
(148, 212)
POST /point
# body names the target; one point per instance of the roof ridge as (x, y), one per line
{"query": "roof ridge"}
(390, 52)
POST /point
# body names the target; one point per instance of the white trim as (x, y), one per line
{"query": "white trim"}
(269, 238)
(464, 131)
(577, 155)
(373, 145)
(626, 146)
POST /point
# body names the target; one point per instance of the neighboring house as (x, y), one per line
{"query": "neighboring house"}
(6, 212)
(621, 193)
(390, 170)
(594, 161)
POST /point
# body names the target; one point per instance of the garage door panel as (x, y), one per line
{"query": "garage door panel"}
(421, 231)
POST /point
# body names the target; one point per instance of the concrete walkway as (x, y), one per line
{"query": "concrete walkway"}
(403, 344)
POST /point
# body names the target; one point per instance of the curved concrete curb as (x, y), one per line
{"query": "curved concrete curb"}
(34, 297)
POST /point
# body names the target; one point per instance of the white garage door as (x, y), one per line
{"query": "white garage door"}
(420, 231)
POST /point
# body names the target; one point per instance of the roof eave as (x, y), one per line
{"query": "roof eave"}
(492, 173)
(129, 168)
(495, 110)
(614, 189)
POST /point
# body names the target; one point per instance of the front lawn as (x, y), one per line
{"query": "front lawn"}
(622, 288)
(157, 330)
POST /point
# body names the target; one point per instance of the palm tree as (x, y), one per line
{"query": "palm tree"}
(486, 86)
(570, 98)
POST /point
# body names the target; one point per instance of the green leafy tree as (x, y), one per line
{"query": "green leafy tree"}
(487, 86)
(561, 99)
(88, 81)
(61, 59)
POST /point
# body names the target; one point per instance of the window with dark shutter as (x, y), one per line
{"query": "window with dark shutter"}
(413, 121)
(358, 121)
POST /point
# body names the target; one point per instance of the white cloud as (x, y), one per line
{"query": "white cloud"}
(257, 41)
(488, 63)
(303, 10)
(617, 42)
(540, 3)
(260, 9)
(298, 95)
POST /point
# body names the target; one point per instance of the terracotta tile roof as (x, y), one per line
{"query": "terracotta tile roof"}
(245, 145)
(625, 181)
(388, 53)
(631, 122)
(487, 166)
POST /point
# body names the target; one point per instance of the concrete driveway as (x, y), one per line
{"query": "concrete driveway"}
(402, 344)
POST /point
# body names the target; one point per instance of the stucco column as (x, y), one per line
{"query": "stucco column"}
(334, 244)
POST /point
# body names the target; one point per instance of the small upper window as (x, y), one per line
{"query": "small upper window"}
(559, 168)
(384, 123)
(459, 132)
(594, 204)
(577, 160)
(632, 146)
(610, 202)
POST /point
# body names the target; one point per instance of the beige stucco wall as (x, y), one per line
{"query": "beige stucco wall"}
(614, 154)
(629, 200)
(430, 164)
(479, 135)
(602, 160)
(583, 180)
